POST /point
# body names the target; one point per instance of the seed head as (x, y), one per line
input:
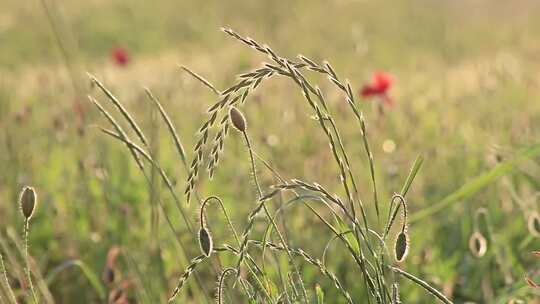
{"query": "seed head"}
(478, 244)
(205, 241)
(238, 120)
(401, 248)
(28, 201)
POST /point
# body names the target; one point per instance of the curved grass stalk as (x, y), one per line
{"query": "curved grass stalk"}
(193, 265)
(225, 213)
(185, 276)
(269, 216)
(296, 76)
(135, 150)
(200, 78)
(87, 272)
(221, 283)
(12, 297)
(301, 81)
(299, 252)
(368, 280)
(317, 263)
(422, 284)
(120, 108)
(172, 130)
(231, 227)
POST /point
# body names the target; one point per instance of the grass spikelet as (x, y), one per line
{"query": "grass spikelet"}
(533, 223)
(200, 78)
(237, 119)
(401, 248)
(185, 276)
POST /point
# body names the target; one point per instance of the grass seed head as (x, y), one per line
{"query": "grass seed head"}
(401, 248)
(238, 120)
(205, 241)
(478, 244)
(28, 201)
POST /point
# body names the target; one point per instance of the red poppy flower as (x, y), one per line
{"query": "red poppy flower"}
(120, 56)
(379, 87)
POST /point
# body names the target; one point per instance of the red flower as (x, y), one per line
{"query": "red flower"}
(381, 83)
(120, 56)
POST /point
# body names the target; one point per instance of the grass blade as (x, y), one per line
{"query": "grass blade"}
(478, 183)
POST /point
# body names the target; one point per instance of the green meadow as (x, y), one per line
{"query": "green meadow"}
(107, 110)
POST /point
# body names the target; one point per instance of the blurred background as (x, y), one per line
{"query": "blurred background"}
(465, 90)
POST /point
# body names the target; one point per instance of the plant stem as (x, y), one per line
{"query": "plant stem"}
(27, 260)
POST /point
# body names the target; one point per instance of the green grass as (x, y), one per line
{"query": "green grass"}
(466, 91)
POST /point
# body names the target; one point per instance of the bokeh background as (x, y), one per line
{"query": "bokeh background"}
(466, 97)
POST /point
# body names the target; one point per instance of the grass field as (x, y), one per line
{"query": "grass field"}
(465, 85)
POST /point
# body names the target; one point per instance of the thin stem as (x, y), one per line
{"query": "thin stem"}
(252, 161)
(4, 274)
(27, 260)
(423, 284)
(267, 212)
(136, 150)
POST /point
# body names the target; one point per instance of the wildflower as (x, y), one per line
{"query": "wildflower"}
(120, 56)
(379, 87)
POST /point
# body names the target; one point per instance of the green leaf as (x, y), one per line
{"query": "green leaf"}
(87, 272)
(477, 183)
(414, 170)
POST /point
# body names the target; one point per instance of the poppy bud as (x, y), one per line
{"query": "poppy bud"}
(237, 119)
(401, 248)
(478, 244)
(28, 201)
(108, 275)
(205, 241)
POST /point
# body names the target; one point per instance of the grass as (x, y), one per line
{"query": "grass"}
(462, 138)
